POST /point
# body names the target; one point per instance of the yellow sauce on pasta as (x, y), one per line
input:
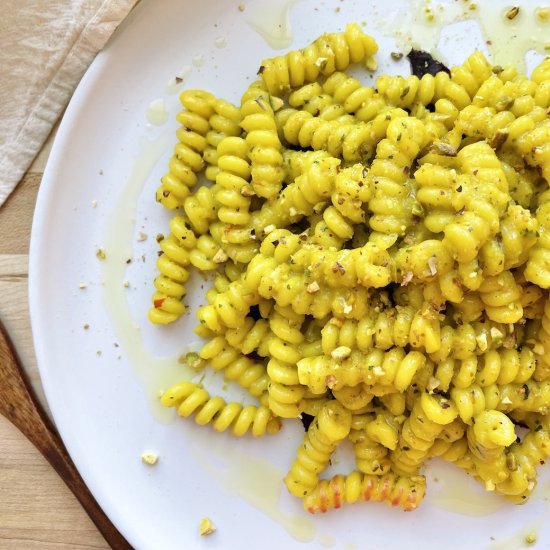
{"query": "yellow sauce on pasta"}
(256, 481)
(271, 21)
(153, 373)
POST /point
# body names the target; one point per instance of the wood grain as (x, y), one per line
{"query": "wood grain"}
(37, 511)
(19, 405)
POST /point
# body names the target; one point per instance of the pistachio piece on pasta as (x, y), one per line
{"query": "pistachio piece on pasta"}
(340, 353)
(219, 257)
(313, 287)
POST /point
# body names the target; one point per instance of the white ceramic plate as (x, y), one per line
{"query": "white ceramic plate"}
(101, 362)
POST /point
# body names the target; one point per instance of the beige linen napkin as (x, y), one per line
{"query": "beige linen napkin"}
(45, 48)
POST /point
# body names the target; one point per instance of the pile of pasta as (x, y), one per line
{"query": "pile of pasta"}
(381, 260)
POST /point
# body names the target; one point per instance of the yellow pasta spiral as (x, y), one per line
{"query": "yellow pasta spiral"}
(384, 372)
(264, 147)
(201, 209)
(236, 366)
(502, 298)
(488, 437)
(371, 457)
(229, 308)
(399, 326)
(312, 99)
(329, 427)
(352, 141)
(429, 415)
(191, 399)
(537, 269)
(233, 182)
(436, 185)
(285, 392)
(353, 96)
(405, 492)
(404, 92)
(224, 122)
(169, 285)
(249, 336)
(299, 198)
(522, 461)
(187, 160)
(329, 53)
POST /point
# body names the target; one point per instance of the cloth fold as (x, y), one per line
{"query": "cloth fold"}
(45, 48)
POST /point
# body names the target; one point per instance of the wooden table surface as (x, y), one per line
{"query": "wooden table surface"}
(37, 511)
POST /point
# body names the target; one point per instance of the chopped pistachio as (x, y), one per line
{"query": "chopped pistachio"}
(371, 64)
(481, 340)
(433, 383)
(206, 527)
(313, 287)
(496, 334)
(511, 13)
(194, 360)
(378, 371)
(407, 278)
(276, 102)
(445, 149)
(538, 348)
(321, 62)
(490, 485)
(417, 209)
(150, 458)
(432, 265)
(219, 257)
(340, 353)
(499, 138)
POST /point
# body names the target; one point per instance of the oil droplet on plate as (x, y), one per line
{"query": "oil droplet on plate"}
(177, 82)
(508, 34)
(255, 480)
(525, 537)
(271, 20)
(220, 42)
(459, 493)
(153, 373)
(326, 541)
(157, 113)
